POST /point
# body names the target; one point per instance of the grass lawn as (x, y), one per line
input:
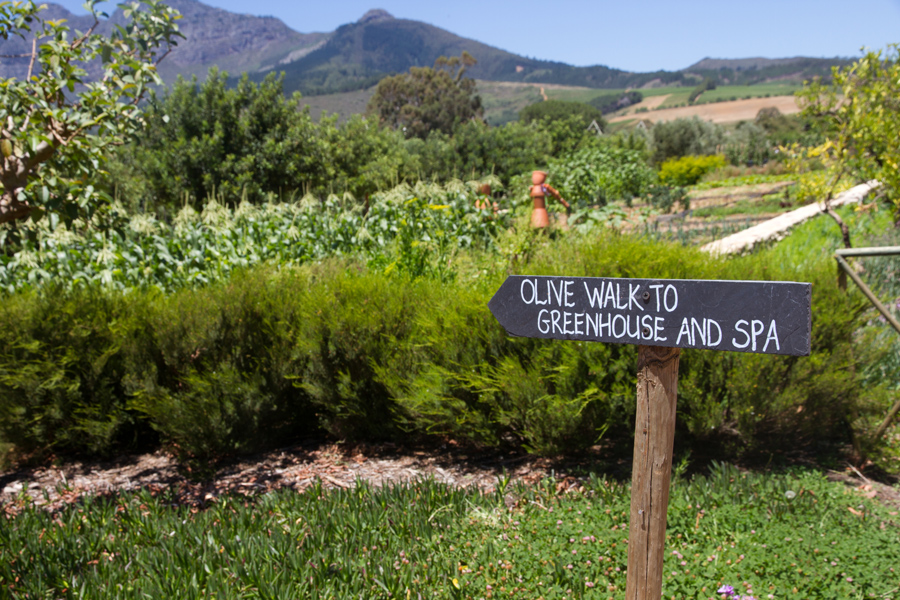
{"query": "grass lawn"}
(793, 535)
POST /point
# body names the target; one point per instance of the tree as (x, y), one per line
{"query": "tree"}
(56, 124)
(566, 122)
(205, 139)
(561, 109)
(681, 137)
(248, 142)
(860, 111)
(428, 98)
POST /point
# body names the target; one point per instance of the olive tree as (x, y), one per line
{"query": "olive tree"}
(57, 123)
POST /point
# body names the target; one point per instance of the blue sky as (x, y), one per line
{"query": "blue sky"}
(635, 36)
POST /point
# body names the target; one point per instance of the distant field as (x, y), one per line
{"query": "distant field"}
(717, 112)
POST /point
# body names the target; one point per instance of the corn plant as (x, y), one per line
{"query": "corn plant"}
(410, 230)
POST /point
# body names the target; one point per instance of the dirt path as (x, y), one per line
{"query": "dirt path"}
(718, 112)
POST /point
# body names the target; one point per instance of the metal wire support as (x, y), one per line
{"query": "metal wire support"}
(845, 266)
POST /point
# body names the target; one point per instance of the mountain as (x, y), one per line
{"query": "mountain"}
(233, 42)
(358, 54)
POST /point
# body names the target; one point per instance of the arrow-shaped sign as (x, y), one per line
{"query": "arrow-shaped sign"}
(769, 317)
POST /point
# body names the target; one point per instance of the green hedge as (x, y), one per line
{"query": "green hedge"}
(272, 354)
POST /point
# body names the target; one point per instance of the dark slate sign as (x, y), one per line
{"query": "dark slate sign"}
(768, 317)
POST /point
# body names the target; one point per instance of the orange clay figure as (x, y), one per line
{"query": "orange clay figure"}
(539, 216)
(484, 201)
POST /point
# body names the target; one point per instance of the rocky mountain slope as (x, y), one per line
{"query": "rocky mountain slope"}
(233, 42)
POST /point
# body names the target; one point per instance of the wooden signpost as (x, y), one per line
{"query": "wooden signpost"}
(661, 317)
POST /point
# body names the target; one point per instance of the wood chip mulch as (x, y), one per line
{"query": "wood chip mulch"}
(334, 465)
(298, 468)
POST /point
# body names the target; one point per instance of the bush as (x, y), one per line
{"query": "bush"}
(664, 198)
(248, 143)
(561, 109)
(602, 173)
(683, 137)
(748, 145)
(63, 373)
(688, 170)
(272, 354)
(206, 140)
(214, 370)
(476, 150)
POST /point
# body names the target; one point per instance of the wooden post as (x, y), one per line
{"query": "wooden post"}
(654, 437)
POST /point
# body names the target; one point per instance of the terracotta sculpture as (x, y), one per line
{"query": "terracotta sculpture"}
(484, 201)
(539, 191)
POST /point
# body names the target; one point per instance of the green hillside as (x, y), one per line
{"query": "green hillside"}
(358, 54)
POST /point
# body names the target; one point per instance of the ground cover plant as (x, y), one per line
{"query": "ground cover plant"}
(790, 535)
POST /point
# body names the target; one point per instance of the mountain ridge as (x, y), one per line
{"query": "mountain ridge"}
(358, 54)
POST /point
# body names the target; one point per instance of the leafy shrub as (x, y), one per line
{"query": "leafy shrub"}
(63, 373)
(688, 170)
(248, 143)
(602, 173)
(475, 150)
(214, 370)
(561, 109)
(748, 144)
(663, 197)
(205, 139)
(272, 353)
